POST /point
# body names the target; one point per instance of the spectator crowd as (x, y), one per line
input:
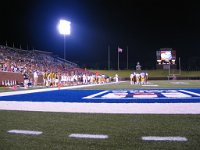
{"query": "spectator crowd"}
(34, 63)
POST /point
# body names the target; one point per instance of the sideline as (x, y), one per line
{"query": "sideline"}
(52, 89)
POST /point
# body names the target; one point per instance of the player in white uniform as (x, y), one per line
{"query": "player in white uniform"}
(131, 78)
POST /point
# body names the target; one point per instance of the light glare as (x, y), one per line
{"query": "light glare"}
(64, 27)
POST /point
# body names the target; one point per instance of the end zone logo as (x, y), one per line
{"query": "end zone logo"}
(144, 94)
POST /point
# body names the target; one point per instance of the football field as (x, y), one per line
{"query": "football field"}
(91, 117)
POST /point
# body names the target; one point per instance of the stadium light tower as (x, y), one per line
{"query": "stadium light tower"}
(64, 29)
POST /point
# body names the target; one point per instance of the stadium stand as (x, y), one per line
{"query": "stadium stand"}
(16, 63)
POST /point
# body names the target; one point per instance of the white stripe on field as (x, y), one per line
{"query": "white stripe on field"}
(108, 108)
(91, 96)
(91, 136)
(53, 89)
(27, 132)
(149, 85)
(165, 138)
(189, 92)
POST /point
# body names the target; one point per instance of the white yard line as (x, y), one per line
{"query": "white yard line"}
(164, 138)
(90, 136)
(110, 108)
(27, 132)
(149, 85)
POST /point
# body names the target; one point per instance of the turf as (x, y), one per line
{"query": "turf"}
(160, 83)
(124, 131)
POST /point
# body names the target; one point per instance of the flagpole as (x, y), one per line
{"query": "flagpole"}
(118, 56)
(179, 66)
(108, 57)
(127, 57)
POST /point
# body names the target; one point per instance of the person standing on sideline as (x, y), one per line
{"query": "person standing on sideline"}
(26, 79)
(116, 78)
(131, 78)
(35, 78)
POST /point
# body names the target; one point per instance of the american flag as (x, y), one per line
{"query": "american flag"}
(120, 50)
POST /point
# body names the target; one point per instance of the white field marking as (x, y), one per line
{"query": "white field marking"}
(108, 108)
(90, 136)
(176, 95)
(179, 82)
(189, 92)
(149, 85)
(164, 138)
(52, 89)
(93, 95)
(27, 132)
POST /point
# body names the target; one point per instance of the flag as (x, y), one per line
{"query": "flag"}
(120, 50)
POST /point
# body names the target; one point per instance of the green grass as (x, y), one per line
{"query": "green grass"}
(160, 83)
(124, 131)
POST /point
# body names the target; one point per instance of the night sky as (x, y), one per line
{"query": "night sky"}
(144, 26)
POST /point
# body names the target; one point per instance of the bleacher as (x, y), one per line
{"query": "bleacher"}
(16, 61)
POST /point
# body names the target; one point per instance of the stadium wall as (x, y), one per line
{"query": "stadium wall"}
(16, 77)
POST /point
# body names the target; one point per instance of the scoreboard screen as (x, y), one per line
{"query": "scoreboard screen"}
(166, 55)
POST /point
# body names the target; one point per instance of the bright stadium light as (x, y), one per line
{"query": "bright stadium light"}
(64, 28)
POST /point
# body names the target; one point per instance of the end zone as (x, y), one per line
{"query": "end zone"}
(154, 101)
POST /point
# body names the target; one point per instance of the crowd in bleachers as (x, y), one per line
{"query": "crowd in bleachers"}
(35, 63)
(17, 60)
(53, 69)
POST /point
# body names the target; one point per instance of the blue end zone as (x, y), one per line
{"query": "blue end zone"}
(111, 96)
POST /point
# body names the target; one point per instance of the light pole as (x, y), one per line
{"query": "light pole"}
(64, 28)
